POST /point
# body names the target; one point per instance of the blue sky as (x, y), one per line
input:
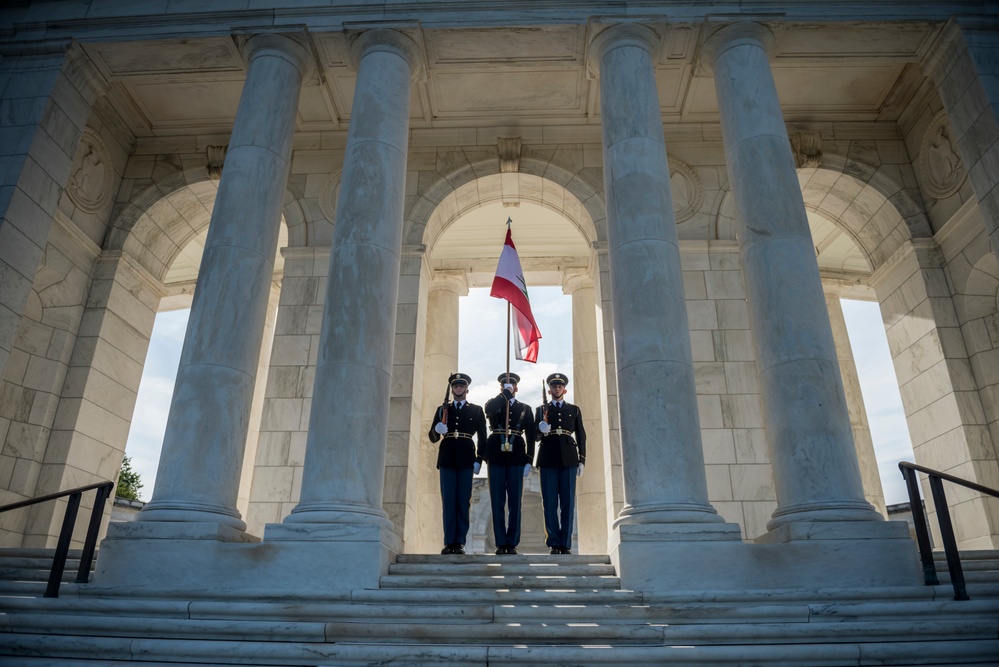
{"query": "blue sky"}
(482, 355)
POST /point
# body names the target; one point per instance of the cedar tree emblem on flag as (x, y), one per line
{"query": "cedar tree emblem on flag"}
(509, 284)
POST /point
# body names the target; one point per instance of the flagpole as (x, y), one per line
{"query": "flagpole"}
(506, 433)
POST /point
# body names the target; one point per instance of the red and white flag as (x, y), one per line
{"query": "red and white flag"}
(509, 284)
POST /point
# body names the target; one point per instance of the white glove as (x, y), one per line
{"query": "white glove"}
(579, 470)
(441, 428)
(476, 468)
(508, 387)
(544, 427)
(527, 470)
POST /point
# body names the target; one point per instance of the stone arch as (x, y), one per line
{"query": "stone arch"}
(546, 183)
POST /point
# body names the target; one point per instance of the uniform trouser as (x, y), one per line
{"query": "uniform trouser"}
(506, 485)
(456, 496)
(558, 497)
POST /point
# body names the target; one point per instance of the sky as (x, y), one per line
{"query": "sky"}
(482, 355)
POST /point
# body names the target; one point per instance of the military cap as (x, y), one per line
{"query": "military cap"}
(460, 378)
(513, 378)
(558, 378)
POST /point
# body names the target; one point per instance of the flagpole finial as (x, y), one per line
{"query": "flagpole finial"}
(509, 221)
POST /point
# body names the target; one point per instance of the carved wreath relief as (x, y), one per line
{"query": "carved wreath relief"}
(685, 185)
(941, 166)
(89, 185)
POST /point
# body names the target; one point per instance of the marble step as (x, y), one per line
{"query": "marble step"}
(466, 559)
(544, 582)
(491, 569)
(35, 563)
(22, 647)
(22, 574)
(538, 611)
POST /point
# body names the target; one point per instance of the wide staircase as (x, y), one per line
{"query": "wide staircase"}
(498, 610)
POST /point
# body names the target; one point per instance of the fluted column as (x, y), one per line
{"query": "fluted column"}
(199, 471)
(591, 493)
(344, 471)
(439, 361)
(663, 461)
(814, 462)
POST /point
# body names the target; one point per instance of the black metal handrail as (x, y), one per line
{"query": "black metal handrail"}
(943, 518)
(66, 533)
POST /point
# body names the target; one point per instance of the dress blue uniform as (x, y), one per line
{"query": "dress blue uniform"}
(455, 460)
(560, 454)
(506, 465)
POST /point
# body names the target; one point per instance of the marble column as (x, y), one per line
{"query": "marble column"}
(343, 480)
(663, 460)
(815, 466)
(863, 443)
(199, 471)
(440, 360)
(591, 495)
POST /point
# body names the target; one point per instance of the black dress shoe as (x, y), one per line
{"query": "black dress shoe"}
(511, 550)
(448, 549)
(555, 551)
(564, 551)
(458, 549)
(500, 551)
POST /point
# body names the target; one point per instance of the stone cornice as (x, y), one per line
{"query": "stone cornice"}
(576, 279)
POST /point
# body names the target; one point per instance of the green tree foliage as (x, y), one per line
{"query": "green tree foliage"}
(129, 481)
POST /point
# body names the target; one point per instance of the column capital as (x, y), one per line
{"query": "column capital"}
(620, 35)
(292, 47)
(732, 35)
(576, 279)
(388, 41)
(456, 282)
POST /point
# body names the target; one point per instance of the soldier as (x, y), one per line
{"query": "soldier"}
(509, 454)
(457, 421)
(560, 461)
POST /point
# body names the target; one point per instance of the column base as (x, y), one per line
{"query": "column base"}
(662, 559)
(164, 559)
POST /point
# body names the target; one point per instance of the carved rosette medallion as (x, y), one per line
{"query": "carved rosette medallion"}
(688, 193)
(328, 194)
(940, 165)
(89, 184)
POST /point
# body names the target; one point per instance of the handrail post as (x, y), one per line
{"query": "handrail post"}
(920, 524)
(948, 539)
(62, 547)
(90, 543)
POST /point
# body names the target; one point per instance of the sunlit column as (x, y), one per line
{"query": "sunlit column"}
(343, 479)
(199, 471)
(440, 360)
(863, 443)
(664, 479)
(815, 466)
(591, 504)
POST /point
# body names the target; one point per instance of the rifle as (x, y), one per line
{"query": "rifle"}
(544, 401)
(446, 403)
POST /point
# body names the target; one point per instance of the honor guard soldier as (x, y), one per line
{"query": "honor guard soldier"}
(509, 453)
(455, 423)
(561, 456)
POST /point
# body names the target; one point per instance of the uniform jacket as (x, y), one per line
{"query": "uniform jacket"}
(459, 452)
(521, 419)
(561, 450)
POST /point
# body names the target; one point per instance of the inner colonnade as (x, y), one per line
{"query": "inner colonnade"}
(705, 266)
(375, 271)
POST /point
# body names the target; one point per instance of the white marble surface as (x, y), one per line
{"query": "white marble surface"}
(345, 456)
(815, 464)
(199, 471)
(660, 434)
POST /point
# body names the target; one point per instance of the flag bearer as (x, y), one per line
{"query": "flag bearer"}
(509, 453)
